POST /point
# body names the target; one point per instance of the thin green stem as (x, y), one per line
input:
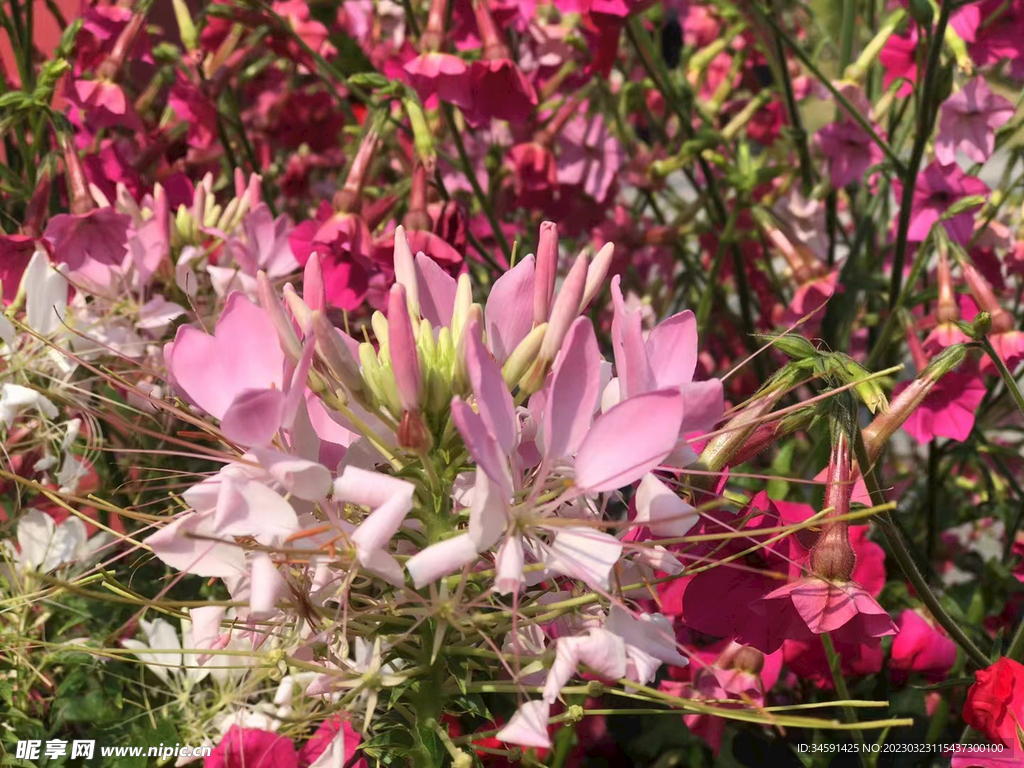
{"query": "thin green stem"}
(907, 564)
(836, 667)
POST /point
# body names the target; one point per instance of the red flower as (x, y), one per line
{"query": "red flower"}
(253, 748)
(995, 703)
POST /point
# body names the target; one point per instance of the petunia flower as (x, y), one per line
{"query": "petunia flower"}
(968, 123)
(948, 410)
(589, 156)
(850, 151)
(898, 58)
(921, 647)
(939, 187)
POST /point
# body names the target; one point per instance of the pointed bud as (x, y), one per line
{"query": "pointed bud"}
(546, 269)
(463, 304)
(335, 354)
(282, 324)
(413, 434)
(405, 270)
(493, 46)
(566, 308)
(597, 273)
(313, 291)
(474, 326)
(523, 355)
(417, 217)
(877, 433)
(348, 198)
(946, 310)
(78, 186)
(300, 311)
(1002, 321)
(405, 360)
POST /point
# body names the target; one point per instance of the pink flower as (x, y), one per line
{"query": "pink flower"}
(813, 606)
(15, 253)
(921, 647)
(335, 738)
(343, 241)
(991, 29)
(440, 74)
(938, 187)
(590, 156)
(850, 151)
(899, 58)
(948, 410)
(94, 245)
(104, 103)
(235, 375)
(970, 118)
(253, 748)
(500, 91)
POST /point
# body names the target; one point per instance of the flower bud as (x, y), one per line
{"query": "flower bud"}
(314, 293)
(878, 432)
(1002, 321)
(422, 138)
(413, 434)
(523, 355)
(405, 361)
(596, 274)
(335, 354)
(405, 270)
(566, 308)
(547, 267)
(982, 325)
(282, 324)
(300, 311)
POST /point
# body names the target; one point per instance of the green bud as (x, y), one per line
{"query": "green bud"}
(850, 371)
(922, 12)
(796, 347)
(186, 29)
(574, 713)
(522, 357)
(982, 325)
(422, 138)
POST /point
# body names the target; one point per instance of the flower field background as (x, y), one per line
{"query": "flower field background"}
(489, 383)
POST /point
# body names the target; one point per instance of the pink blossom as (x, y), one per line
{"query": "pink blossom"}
(337, 740)
(94, 245)
(813, 606)
(991, 29)
(500, 91)
(343, 241)
(970, 118)
(948, 410)
(938, 187)
(899, 59)
(850, 151)
(590, 156)
(15, 253)
(440, 74)
(921, 647)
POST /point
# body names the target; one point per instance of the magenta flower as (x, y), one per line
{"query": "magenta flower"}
(921, 647)
(899, 58)
(948, 410)
(970, 118)
(253, 748)
(500, 91)
(991, 29)
(440, 74)
(590, 156)
(343, 242)
(850, 151)
(939, 187)
(15, 253)
(813, 606)
(93, 244)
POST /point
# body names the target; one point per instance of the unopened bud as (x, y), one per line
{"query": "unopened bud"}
(833, 558)
(413, 434)
(522, 356)
(566, 308)
(422, 138)
(335, 354)
(275, 309)
(596, 274)
(575, 713)
(982, 324)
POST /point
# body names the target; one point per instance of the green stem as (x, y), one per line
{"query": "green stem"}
(467, 166)
(846, 34)
(907, 564)
(795, 121)
(925, 122)
(836, 667)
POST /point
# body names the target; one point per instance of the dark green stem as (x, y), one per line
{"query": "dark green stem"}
(926, 112)
(836, 667)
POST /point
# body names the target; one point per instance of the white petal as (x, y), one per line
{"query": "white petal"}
(662, 510)
(528, 726)
(585, 554)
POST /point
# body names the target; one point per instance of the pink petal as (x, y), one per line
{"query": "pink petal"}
(672, 350)
(631, 363)
(436, 291)
(488, 513)
(440, 559)
(493, 400)
(575, 383)
(481, 445)
(509, 566)
(703, 405)
(528, 726)
(509, 311)
(254, 416)
(267, 586)
(585, 554)
(301, 478)
(629, 441)
(662, 510)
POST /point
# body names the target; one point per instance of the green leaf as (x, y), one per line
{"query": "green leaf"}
(370, 80)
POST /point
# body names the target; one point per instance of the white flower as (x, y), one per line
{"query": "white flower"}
(15, 398)
(46, 295)
(178, 669)
(46, 546)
